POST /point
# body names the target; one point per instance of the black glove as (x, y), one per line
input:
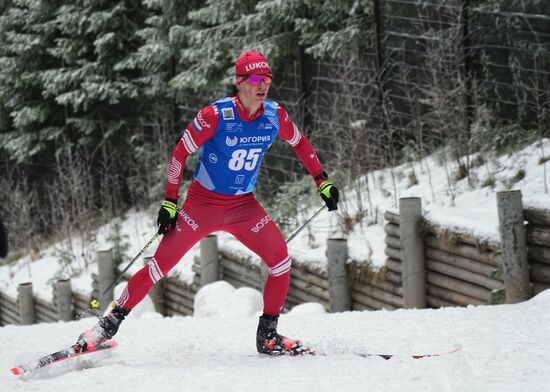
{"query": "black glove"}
(167, 215)
(329, 193)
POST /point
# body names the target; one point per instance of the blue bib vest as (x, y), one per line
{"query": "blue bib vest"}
(230, 160)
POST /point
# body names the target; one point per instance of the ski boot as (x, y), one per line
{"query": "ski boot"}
(268, 341)
(104, 330)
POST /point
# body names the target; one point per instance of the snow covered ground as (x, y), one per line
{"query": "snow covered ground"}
(504, 348)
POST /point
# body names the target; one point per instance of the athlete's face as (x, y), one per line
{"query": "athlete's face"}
(254, 88)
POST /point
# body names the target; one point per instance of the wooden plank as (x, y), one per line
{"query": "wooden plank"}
(393, 265)
(250, 267)
(245, 260)
(175, 309)
(180, 289)
(42, 317)
(235, 283)
(45, 315)
(12, 312)
(242, 273)
(462, 262)
(392, 229)
(314, 279)
(387, 287)
(239, 268)
(44, 311)
(8, 320)
(464, 250)
(196, 268)
(540, 273)
(240, 280)
(367, 300)
(310, 268)
(393, 278)
(380, 295)
(9, 306)
(459, 286)
(393, 253)
(173, 300)
(300, 297)
(538, 235)
(360, 307)
(175, 281)
(8, 300)
(539, 254)
(175, 294)
(392, 217)
(436, 302)
(453, 297)
(379, 284)
(538, 216)
(240, 265)
(316, 291)
(464, 275)
(392, 241)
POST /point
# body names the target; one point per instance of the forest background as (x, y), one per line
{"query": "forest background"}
(94, 94)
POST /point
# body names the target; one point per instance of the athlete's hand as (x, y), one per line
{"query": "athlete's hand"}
(167, 215)
(330, 194)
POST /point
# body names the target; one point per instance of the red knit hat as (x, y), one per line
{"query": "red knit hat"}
(252, 63)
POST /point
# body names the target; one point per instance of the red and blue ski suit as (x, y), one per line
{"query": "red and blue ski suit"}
(231, 146)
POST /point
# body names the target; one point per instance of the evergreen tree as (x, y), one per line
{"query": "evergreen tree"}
(335, 28)
(164, 37)
(34, 120)
(282, 29)
(94, 79)
(218, 33)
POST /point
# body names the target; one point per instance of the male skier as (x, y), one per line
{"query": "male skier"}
(232, 135)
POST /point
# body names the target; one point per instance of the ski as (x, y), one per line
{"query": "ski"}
(413, 356)
(70, 352)
(308, 351)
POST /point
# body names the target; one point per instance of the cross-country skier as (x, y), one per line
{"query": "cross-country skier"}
(232, 135)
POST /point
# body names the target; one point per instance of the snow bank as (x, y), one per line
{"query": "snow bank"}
(221, 299)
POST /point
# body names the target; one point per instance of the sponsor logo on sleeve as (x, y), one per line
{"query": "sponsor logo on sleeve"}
(202, 121)
(174, 171)
(213, 157)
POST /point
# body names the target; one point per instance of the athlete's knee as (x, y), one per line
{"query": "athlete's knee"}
(281, 268)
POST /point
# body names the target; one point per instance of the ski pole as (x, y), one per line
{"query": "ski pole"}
(94, 302)
(305, 224)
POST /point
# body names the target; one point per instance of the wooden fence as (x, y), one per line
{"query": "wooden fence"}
(458, 269)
